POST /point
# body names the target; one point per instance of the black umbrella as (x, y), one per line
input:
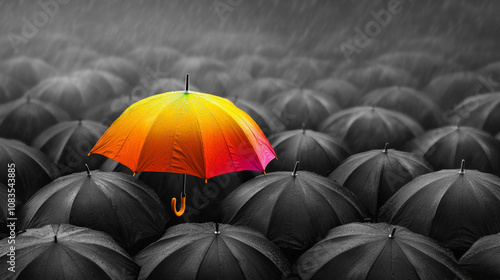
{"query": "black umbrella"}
(374, 176)
(221, 82)
(345, 93)
(154, 59)
(294, 210)
(203, 203)
(455, 207)
(197, 67)
(377, 251)
(69, 143)
(316, 151)
(108, 111)
(212, 251)
(445, 147)
(263, 116)
(450, 89)
(66, 252)
(33, 169)
(262, 89)
(73, 58)
(299, 107)
(300, 70)
(10, 88)
(407, 101)
(251, 64)
(480, 111)
(168, 84)
(119, 66)
(113, 202)
(27, 70)
(368, 128)
(25, 118)
(483, 258)
(491, 71)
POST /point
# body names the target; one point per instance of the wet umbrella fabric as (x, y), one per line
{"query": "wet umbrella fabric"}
(445, 147)
(212, 251)
(68, 144)
(454, 207)
(483, 259)
(27, 70)
(261, 89)
(293, 211)
(25, 118)
(33, 168)
(367, 128)
(113, 202)
(67, 252)
(345, 93)
(10, 88)
(107, 112)
(317, 152)
(480, 111)
(377, 251)
(119, 66)
(374, 176)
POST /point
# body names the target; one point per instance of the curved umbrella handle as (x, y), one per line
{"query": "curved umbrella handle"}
(183, 205)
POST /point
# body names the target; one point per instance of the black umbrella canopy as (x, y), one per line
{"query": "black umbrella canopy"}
(119, 66)
(10, 88)
(455, 207)
(251, 64)
(261, 89)
(300, 70)
(374, 176)
(73, 58)
(317, 152)
(27, 70)
(445, 147)
(108, 111)
(8, 201)
(197, 67)
(483, 258)
(221, 82)
(491, 72)
(345, 93)
(168, 84)
(294, 210)
(377, 251)
(366, 128)
(480, 111)
(69, 143)
(268, 122)
(407, 101)
(422, 65)
(212, 251)
(371, 77)
(23, 119)
(61, 251)
(155, 59)
(113, 202)
(33, 169)
(204, 199)
(299, 107)
(448, 90)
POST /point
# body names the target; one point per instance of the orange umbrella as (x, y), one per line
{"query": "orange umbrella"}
(186, 132)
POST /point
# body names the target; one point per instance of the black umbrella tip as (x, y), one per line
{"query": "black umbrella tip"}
(385, 148)
(462, 167)
(294, 172)
(88, 170)
(391, 235)
(187, 83)
(217, 231)
(55, 238)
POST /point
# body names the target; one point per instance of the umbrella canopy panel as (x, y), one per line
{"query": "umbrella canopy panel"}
(483, 259)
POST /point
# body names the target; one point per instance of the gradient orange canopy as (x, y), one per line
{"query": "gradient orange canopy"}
(191, 133)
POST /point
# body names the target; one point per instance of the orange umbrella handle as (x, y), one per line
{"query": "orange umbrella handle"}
(183, 205)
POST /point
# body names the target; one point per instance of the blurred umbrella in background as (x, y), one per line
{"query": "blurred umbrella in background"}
(10, 88)
(251, 64)
(33, 168)
(186, 132)
(316, 151)
(368, 128)
(4, 205)
(374, 176)
(407, 101)
(299, 70)
(113, 202)
(374, 76)
(297, 107)
(483, 258)
(108, 111)
(480, 111)
(168, 84)
(119, 66)
(68, 144)
(294, 210)
(344, 93)
(23, 119)
(423, 66)
(67, 252)
(73, 58)
(204, 203)
(454, 207)
(221, 83)
(197, 67)
(264, 117)
(450, 89)
(261, 89)
(491, 71)
(27, 70)
(445, 147)
(212, 251)
(377, 251)
(155, 58)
